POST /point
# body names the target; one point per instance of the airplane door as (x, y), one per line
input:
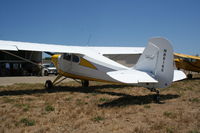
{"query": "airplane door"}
(75, 64)
(66, 62)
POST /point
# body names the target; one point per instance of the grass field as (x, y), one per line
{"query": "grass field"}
(101, 108)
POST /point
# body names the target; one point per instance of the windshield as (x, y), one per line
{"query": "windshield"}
(48, 65)
(51, 65)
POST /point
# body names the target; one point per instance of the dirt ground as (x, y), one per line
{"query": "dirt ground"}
(100, 108)
(26, 79)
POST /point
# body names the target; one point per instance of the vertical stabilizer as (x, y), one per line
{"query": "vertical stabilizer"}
(157, 59)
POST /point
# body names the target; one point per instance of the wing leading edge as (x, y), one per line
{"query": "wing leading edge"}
(118, 50)
(7, 47)
(27, 46)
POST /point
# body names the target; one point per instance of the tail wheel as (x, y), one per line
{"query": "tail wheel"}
(189, 76)
(48, 84)
(85, 83)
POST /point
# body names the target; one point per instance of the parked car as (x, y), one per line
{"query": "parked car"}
(49, 69)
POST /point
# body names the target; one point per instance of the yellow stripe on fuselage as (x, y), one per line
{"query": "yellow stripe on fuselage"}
(85, 63)
(82, 77)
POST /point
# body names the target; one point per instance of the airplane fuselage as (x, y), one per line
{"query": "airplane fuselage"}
(189, 65)
(85, 67)
(88, 68)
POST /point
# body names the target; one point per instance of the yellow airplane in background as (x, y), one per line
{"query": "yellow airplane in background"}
(187, 62)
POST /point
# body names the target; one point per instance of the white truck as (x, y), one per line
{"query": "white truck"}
(49, 68)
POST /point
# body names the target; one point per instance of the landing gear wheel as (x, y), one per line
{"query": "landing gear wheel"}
(157, 97)
(48, 85)
(85, 83)
(46, 73)
(189, 76)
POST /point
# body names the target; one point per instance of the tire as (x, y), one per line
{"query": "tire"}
(189, 76)
(48, 85)
(46, 73)
(85, 83)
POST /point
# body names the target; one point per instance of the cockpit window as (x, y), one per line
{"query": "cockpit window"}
(193, 60)
(71, 57)
(189, 59)
(51, 65)
(67, 57)
(75, 59)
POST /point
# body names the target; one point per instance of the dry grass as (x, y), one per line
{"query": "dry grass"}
(100, 108)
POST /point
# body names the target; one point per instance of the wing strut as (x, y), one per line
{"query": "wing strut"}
(22, 58)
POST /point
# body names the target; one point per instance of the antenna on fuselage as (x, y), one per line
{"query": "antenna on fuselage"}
(89, 38)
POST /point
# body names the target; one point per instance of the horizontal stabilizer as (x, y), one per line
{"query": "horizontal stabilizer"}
(178, 75)
(132, 76)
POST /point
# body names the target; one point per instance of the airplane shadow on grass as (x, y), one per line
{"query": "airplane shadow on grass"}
(123, 100)
(196, 78)
(137, 100)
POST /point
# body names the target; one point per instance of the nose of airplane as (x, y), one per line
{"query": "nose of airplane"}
(54, 59)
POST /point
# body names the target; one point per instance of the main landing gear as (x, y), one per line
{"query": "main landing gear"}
(85, 83)
(157, 96)
(49, 84)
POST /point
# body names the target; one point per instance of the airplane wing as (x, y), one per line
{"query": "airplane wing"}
(132, 76)
(8, 47)
(27, 46)
(187, 56)
(118, 50)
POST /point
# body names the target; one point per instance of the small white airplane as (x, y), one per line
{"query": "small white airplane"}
(153, 70)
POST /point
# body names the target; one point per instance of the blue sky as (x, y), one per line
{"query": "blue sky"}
(105, 22)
